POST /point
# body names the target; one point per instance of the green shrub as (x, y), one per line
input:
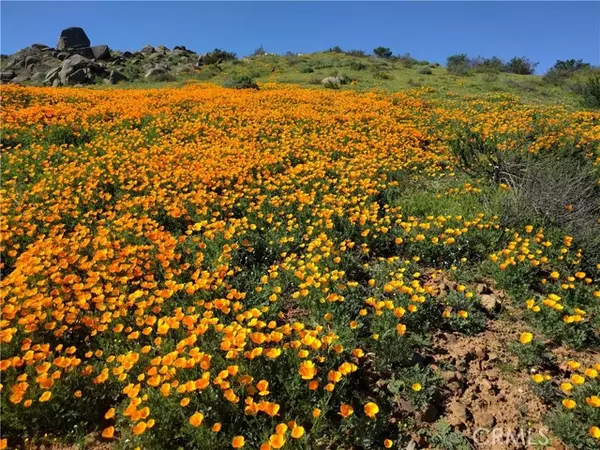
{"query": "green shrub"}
(588, 88)
(458, 64)
(382, 52)
(357, 65)
(358, 53)
(240, 82)
(306, 69)
(380, 75)
(425, 70)
(218, 56)
(520, 66)
(563, 70)
(490, 77)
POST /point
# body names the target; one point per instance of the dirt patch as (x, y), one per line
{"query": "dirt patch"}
(487, 392)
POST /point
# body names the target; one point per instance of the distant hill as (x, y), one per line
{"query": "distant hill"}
(75, 62)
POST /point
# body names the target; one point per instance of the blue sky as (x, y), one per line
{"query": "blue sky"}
(542, 31)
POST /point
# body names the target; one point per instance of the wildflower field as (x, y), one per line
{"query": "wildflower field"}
(208, 268)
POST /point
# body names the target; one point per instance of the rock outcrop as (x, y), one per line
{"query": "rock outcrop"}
(75, 61)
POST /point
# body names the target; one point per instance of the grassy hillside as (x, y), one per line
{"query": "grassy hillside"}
(370, 73)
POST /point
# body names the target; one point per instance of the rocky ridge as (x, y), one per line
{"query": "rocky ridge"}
(75, 62)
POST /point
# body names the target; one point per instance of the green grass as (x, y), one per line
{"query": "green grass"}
(372, 73)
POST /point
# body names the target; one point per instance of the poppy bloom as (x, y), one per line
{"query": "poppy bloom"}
(371, 409)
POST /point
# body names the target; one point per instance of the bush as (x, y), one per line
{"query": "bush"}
(520, 66)
(240, 82)
(458, 64)
(379, 75)
(382, 52)
(336, 49)
(306, 69)
(589, 90)
(490, 77)
(563, 70)
(557, 188)
(357, 53)
(406, 60)
(260, 51)
(426, 70)
(218, 56)
(356, 65)
(493, 64)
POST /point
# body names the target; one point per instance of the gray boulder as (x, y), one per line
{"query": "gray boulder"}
(101, 52)
(38, 77)
(77, 69)
(7, 75)
(162, 50)
(155, 71)
(62, 56)
(80, 76)
(72, 38)
(52, 75)
(114, 77)
(40, 47)
(334, 81)
(20, 78)
(147, 50)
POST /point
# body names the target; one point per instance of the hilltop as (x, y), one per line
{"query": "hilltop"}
(75, 62)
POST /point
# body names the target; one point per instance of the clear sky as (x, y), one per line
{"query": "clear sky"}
(542, 31)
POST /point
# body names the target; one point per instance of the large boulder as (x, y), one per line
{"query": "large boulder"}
(147, 50)
(52, 75)
(77, 70)
(156, 72)
(114, 77)
(7, 75)
(72, 38)
(101, 52)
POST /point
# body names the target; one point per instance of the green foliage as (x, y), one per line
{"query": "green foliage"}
(443, 437)
(425, 70)
(382, 52)
(520, 66)
(240, 82)
(218, 56)
(588, 88)
(458, 64)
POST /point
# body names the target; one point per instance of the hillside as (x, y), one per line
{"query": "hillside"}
(75, 63)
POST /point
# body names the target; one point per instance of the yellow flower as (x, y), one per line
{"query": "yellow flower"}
(277, 440)
(316, 412)
(577, 379)
(387, 443)
(45, 396)
(526, 337)
(371, 409)
(538, 378)
(196, 419)
(569, 403)
(594, 432)
(416, 387)
(238, 442)
(108, 433)
(307, 370)
(139, 428)
(297, 432)
(346, 410)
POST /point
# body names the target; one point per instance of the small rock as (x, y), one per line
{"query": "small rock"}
(484, 419)
(458, 413)
(490, 302)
